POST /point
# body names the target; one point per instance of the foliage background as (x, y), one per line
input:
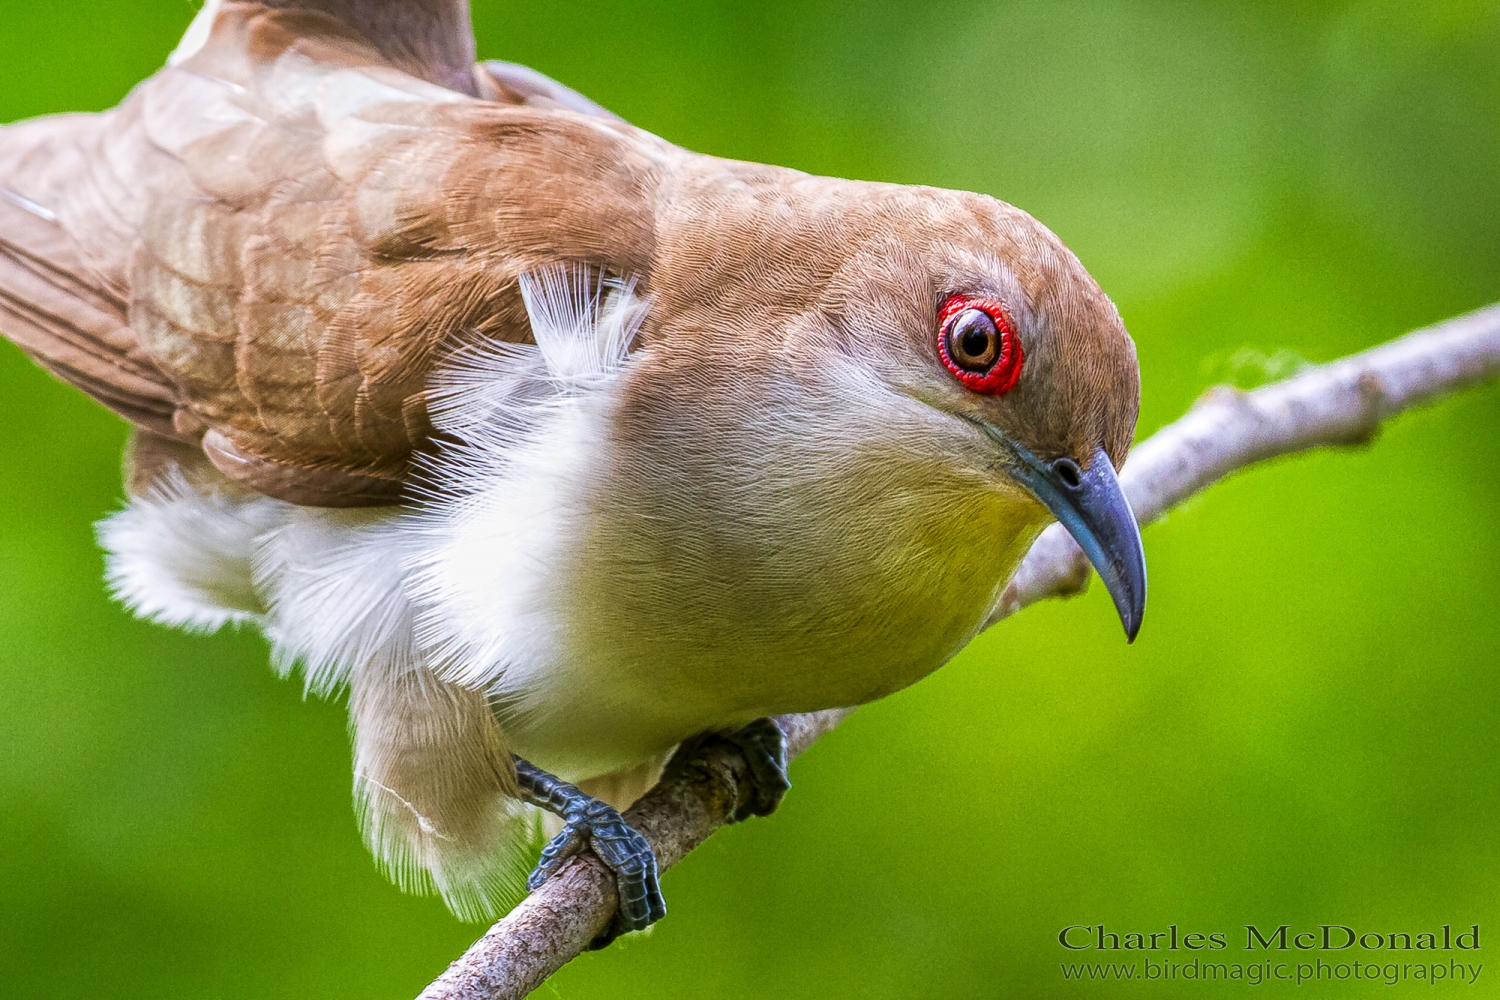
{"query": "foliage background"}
(1306, 731)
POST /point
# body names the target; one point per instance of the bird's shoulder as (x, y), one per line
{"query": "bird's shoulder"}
(279, 235)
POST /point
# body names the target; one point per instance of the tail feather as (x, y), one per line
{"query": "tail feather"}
(433, 782)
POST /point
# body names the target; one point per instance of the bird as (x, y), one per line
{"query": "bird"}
(556, 447)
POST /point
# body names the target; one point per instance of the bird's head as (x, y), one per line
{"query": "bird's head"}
(975, 310)
(984, 346)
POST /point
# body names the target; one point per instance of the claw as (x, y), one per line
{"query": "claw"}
(763, 745)
(560, 848)
(590, 823)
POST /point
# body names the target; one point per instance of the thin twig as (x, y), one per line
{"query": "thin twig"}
(1341, 403)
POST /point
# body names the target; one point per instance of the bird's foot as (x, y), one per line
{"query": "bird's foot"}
(590, 823)
(763, 745)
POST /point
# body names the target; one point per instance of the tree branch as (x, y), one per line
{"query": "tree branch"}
(1342, 403)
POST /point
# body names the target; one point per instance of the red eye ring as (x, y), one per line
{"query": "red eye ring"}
(1000, 377)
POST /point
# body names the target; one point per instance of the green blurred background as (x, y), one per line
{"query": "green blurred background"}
(1308, 730)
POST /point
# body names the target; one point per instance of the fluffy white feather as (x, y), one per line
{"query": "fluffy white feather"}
(506, 504)
(335, 599)
(183, 556)
(424, 614)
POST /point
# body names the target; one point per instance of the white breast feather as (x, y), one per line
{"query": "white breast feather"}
(505, 503)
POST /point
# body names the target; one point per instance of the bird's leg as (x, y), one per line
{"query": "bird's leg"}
(763, 745)
(590, 823)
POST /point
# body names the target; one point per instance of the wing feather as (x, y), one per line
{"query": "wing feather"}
(55, 302)
(270, 243)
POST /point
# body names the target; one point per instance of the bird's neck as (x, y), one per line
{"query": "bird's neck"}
(800, 549)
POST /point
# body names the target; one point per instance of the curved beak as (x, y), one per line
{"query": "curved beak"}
(1091, 505)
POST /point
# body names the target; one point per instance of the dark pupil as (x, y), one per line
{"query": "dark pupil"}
(974, 342)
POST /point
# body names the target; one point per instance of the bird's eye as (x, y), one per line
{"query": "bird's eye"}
(973, 341)
(978, 345)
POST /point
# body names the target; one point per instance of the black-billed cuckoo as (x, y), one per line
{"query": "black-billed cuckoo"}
(557, 444)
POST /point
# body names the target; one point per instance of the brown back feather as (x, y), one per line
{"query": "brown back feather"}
(266, 248)
(287, 233)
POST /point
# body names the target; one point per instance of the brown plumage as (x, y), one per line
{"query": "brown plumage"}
(288, 259)
(273, 242)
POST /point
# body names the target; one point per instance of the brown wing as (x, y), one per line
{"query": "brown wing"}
(268, 246)
(62, 304)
